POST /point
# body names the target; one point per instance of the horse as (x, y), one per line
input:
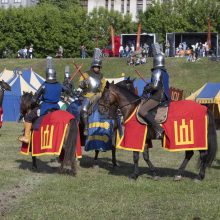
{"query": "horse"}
(68, 152)
(127, 102)
(3, 87)
(128, 84)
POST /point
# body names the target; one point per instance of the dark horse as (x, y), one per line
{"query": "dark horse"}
(69, 147)
(3, 87)
(127, 102)
(128, 84)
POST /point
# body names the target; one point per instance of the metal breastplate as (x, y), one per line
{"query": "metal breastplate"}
(94, 84)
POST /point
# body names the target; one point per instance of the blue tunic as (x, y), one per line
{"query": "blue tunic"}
(50, 97)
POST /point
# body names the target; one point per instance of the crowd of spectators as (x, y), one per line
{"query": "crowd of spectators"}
(26, 52)
(192, 52)
(134, 57)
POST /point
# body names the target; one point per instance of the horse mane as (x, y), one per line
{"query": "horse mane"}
(26, 103)
(130, 96)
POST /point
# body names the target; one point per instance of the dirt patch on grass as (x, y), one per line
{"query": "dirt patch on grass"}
(18, 191)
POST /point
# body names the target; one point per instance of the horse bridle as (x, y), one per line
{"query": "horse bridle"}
(120, 107)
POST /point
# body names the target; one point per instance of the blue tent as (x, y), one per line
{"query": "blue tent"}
(11, 101)
(209, 95)
(32, 78)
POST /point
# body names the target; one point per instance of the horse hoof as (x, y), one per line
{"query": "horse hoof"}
(61, 171)
(197, 180)
(177, 178)
(156, 178)
(34, 169)
(72, 173)
(133, 177)
(95, 166)
(115, 166)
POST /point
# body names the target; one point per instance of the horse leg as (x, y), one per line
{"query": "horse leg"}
(96, 164)
(150, 165)
(203, 165)
(34, 163)
(188, 156)
(136, 168)
(114, 162)
(70, 147)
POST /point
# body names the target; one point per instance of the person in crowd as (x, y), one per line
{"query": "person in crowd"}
(167, 49)
(121, 51)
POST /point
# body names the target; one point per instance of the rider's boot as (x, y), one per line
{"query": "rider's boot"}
(157, 128)
(85, 122)
(27, 133)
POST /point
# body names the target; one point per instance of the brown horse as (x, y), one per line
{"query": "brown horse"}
(3, 87)
(128, 84)
(68, 152)
(127, 102)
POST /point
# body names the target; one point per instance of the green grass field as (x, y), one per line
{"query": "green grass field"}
(105, 193)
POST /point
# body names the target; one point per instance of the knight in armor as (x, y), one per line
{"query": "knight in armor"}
(47, 96)
(155, 94)
(92, 83)
(67, 85)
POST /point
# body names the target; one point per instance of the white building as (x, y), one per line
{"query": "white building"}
(124, 6)
(17, 3)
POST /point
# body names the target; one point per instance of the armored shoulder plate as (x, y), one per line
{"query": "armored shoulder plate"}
(94, 84)
(156, 77)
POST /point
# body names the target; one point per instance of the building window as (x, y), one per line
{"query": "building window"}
(4, 1)
(148, 3)
(112, 4)
(128, 6)
(122, 6)
(84, 4)
(17, 1)
(106, 4)
(139, 6)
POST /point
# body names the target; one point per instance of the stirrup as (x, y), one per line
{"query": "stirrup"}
(85, 132)
(159, 135)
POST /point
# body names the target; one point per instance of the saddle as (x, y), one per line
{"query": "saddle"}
(160, 114)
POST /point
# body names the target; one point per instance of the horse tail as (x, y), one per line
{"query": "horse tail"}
(212, 139)
(71, 141)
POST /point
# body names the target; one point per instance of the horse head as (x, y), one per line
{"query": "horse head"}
(5, 86)
(26, 102)
(107, 100)
(127, 84)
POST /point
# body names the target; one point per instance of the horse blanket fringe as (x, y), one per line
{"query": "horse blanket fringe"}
(1, 116)
(134, 136)
(185, 127)
(49, 138)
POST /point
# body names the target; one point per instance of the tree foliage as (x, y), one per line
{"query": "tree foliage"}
(181, 16)
(54, 22)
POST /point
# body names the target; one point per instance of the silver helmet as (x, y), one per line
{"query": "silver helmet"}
(158, 61)
(67, 72)
(96, 63)
(50, 71)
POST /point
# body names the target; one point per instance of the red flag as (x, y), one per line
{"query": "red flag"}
(113, 39)
(138, 37)
(209, 33)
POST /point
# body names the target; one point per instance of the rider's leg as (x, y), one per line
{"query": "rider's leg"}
(85, 122)
(27, 133)
(28, 119)
(84, 114)
(148, 117)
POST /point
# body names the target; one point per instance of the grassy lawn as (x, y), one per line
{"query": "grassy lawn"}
(105, 193)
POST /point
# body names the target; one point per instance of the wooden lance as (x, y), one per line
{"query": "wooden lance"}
(75, 73)
(140, 75)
